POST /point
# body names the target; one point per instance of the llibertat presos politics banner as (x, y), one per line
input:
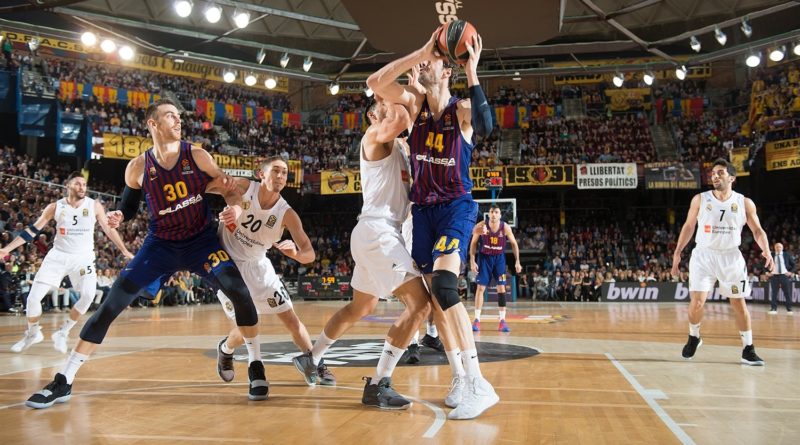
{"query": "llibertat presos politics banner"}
(607, 176)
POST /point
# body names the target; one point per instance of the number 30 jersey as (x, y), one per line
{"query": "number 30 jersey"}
(719, 224)
(256, 229)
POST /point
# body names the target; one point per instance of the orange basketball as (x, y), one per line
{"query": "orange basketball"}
(453, 39)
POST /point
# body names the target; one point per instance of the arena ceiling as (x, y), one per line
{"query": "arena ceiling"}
(349, 38)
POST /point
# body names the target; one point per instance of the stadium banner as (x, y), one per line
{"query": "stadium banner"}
(477, 174)
(246, 166)
(539, 175)
(625, 99)
(661, 292)
(607, 176)
(694, 72)
(125, 147)
(220, 111)
(739, 156)
(672, 175)
(335, 182)
(106, 95)
(783, 154)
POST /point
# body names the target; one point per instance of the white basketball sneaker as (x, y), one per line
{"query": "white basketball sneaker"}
(60, 341)
(456, 392)
(478, 397)
(31, 337)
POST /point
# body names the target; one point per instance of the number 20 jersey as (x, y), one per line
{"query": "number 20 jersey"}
(719, 224)
(256, 229)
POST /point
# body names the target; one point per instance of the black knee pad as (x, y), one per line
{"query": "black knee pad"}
(501, 299)
(232, 284)
(121, 295)
(444, 286)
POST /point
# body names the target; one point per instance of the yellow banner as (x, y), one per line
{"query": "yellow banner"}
(626, 98)
(340, 182)
(246, 166)
(155, 63)
(527, 175)
(783, 154)
(738, 157)
(125, 147)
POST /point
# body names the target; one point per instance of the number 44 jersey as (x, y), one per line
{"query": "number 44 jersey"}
(256, 229)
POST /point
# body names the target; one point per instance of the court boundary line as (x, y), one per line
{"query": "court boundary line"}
(673, 426)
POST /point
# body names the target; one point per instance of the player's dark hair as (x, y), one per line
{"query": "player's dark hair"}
(152, 109)
(728, 166)
(371, 106)
(73, 175)
(494, 206)
(270, 160)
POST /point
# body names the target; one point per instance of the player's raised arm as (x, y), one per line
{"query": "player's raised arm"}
(397, 120)
(475, 113)
(31, 232)
(758, 232)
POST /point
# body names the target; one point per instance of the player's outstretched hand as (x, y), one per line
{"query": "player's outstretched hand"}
(114, 218)
(430, 51)
(287, 247)
(229, 215)
(768, 263)
(676, 261)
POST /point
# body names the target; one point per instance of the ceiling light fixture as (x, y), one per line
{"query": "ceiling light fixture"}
(126, 52)
(250, 79)
(720, 36)
(284, 60)
(680, 72)
(334, 88)
(618, 79)
(747, 30)
(89, 39)
(307, 64)
(108, 46)
(229, 76)
(753, 60)
(778, 53)
(261, 56)
(270, 83)
(213, 13)
(241, 18)
(183, 8)
(695, 44)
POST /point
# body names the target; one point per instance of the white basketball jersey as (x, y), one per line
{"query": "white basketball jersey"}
(719, 224)
(75, 227)
(256, 229)
(385, 185)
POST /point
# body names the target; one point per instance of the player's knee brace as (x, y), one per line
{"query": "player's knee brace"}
(234, 288)
(501, 299)
(444, 286)
(121, 295)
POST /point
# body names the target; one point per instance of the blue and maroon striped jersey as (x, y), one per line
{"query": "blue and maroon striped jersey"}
(440, 157)
(178, 209)
(494, 243)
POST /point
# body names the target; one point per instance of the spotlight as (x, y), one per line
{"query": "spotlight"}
(33, 44)
(720, 36)
(229, 76)
(307, 64)
(777, 54)
(618, 79)
(261, 56)
(88, 39)
(334, 88)
(753, 60)
(270, 83)
(241, 18)
(648, 77)
(284, 60)
(108, 46)
(747, 30)
(680, 72)
(125, 52)
(368, 92)
(695, 44)
(250, 79)
(213, 13)
(183, 8)
(796, 50)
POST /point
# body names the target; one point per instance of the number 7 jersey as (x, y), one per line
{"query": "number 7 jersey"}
(719, 224)
(256, 229)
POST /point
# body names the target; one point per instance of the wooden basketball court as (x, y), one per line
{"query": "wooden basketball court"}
(605, 374)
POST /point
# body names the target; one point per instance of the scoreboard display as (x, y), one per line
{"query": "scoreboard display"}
(324, 287)
(493, 179)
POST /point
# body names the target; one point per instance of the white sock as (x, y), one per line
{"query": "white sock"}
(73, 364)
(388, 361)
(431, 329)
(226, 349)
(69, 324)
(747, 338)
(253, 349)
(477, 314)
(415, 338)
(33, 325)
(502, 313)
(321, 347)
(694, 330)
(454, 358)
(471, 365)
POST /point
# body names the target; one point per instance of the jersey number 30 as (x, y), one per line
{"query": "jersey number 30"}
(173, 192)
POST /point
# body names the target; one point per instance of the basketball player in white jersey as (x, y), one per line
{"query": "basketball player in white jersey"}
(247, 230)
(72, 255)
(720, 214)
(383, 264)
